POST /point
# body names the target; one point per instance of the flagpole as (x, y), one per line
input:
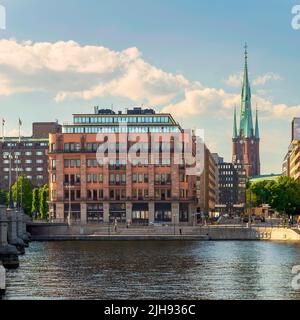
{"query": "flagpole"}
(3, 123)
(19, 130)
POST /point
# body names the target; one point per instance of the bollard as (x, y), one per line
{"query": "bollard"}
(13, 238)
(20, 227)
(8, 253)
(2, 280)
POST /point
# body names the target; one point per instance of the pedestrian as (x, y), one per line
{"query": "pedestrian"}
(180, 231)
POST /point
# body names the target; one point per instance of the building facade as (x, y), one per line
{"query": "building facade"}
(207, 185)
(26, 156)
(231, 186)
(291, 162)
(246, 141)
(111, 166)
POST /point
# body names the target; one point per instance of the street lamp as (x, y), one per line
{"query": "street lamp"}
(174, 216)
(70, 186)
(10, 157)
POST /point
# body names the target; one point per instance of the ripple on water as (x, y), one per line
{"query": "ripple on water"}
(155, 270)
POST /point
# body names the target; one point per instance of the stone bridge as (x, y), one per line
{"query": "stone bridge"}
(13, 236)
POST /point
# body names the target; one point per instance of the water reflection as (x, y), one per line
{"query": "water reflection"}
(155, 270)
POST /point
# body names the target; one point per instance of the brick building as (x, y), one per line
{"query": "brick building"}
(142, 183)
(29, 155)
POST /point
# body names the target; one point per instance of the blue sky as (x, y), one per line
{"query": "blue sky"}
(200, 40)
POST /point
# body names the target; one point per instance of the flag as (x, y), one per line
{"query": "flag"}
(20, 122)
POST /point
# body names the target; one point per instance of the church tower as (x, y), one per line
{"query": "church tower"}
(246, 141)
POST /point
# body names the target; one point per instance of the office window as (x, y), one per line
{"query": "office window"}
(146, 178)
(169, 193)
(134, 178)
(111, 178)
(157, 177)
(112, 194)
(134, 193)
(101, 178)
(66, 163)
(140, 192)
(140, 178)
(89, 178)
(53, 178)
(72, 163)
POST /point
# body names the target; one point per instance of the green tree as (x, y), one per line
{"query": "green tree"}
(35, 201)
(24, 193)
(43, 199)
(3, 197)
(262, 192)
(286, 196)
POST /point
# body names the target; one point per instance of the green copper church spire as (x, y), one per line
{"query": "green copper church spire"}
(246, 123)
(235, 132)
(257, 136)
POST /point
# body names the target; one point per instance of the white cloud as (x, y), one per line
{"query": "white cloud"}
(68, 70)
(263, 79)
(235, 80)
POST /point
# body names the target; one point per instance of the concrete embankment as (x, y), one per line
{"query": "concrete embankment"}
(63, 232)
(2, 280)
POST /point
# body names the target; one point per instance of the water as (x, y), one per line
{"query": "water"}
(155, 270)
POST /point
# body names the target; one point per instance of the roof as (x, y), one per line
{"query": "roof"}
(267, 177)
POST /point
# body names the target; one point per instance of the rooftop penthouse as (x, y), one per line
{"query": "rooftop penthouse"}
(136, 120)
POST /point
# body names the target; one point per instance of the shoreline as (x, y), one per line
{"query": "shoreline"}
(61, 232)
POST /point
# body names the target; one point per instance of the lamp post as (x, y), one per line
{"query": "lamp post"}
(174, 216)
(10, 157)
(70, 204)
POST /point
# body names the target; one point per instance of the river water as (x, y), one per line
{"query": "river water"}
(155, 270)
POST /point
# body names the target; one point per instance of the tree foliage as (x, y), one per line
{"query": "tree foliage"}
(24, 193)
(282, 195)
(43, 201)
(35, 201)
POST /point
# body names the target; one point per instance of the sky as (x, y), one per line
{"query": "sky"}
(183, 57)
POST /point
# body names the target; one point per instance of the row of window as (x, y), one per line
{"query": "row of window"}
(122, 147)
(28, 169)
(26, 153)
(144, 129)
(119, 119)
(94, 163)
(117, 194)
(27, 144)
(118, 178)
(27, 161)
(38, 177)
